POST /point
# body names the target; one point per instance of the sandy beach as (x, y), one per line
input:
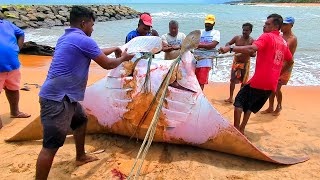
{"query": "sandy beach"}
(295, 132)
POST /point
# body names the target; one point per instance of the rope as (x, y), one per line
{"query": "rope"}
(152, 128)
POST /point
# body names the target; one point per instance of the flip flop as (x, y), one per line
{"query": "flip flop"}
(25, 88)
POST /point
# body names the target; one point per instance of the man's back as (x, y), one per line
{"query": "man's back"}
(9, 48)
(68, 71)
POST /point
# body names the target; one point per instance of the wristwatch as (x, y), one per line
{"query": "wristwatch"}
(231, 49)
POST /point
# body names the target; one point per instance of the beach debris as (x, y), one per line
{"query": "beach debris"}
(117, 173)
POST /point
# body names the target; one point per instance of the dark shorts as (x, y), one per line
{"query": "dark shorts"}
(57, 118)
(252, 99)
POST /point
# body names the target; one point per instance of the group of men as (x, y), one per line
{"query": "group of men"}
(66, 81)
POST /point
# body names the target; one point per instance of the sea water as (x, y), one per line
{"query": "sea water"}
(229, 20)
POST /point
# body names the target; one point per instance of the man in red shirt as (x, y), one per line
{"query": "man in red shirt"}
(271, 50)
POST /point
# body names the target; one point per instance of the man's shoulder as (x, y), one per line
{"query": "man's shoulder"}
(132, 33)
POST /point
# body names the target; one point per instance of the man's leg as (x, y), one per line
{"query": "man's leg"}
(246, 117)
(236, 116)
(1, 123)
(279, 100)
(232, 87)
(79, 138)
(202, 86)
(13, 98)
(271, 102)
(44, 163)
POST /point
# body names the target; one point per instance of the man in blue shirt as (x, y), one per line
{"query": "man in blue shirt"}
(65, 86)
(11, 40)
(144, 27)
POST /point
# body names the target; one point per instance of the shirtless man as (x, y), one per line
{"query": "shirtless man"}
(284, 78)
(241, 64)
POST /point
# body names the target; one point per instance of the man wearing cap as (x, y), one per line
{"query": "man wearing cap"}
(209, 39)
(291, 39)
(144, 27)
(272, 50)
(172, 41)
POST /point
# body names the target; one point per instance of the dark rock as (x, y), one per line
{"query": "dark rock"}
(63, 19)
(40, 16)
(1, 15)
(58, 22)
(36, 49)
(24, 18)
(11, 14)
(32, 24)
(20, 24)
(32, 17)
(50, 22)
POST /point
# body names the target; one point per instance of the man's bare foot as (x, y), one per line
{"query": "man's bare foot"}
(229, 100)
(20, 115)
(276, 112)
(267, 111)
(85, 159)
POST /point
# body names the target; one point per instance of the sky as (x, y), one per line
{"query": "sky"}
(107, 1)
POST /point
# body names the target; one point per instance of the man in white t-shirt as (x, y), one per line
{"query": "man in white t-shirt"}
(210, 38)
(172, 41)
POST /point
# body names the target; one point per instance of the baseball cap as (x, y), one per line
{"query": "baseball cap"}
(288, 20)
(210, 19)
(146, 19)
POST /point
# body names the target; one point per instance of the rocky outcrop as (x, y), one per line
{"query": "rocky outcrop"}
(36, 49)
(58, 15)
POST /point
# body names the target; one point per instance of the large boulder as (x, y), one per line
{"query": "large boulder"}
(32, 17)
(20, 24)
(40, 16)
(24, 18)
(36, 49)
(11, 14)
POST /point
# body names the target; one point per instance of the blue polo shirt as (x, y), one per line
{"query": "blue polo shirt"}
(9, 48)
(133, 34)
(68, 73)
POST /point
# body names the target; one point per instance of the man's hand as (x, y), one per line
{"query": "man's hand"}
(118, 52)
(224, 49)
(125, 56)
(176, 47)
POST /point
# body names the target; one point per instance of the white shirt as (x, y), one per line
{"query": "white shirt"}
(206, 38)
(173, 41)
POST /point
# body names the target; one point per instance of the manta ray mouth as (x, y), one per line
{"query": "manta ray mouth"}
(176, 85)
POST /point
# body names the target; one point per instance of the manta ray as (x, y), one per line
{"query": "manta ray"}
(131, 96)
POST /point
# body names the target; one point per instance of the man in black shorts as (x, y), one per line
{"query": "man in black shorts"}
(272, 51)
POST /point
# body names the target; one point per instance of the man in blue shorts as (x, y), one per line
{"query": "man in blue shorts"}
(65, 86)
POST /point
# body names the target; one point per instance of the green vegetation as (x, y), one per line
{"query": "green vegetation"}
(282, 1)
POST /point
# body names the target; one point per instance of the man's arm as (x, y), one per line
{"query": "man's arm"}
(117, 51)
(110, 63)
(232, 41)
(292, 42)
(20, 41)
(287, 66)
(249, 49)
(209, 46)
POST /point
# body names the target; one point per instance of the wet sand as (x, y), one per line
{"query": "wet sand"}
(295, 132)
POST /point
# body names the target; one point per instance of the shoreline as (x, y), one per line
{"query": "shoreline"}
(282, 4)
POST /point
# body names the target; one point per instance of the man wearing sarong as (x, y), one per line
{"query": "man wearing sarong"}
(241, 64)
(292, 41)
